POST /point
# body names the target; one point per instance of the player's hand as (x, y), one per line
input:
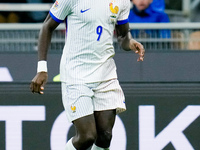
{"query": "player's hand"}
(137, 48)
(38, 82)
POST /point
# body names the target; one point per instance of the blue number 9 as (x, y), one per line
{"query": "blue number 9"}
(99, 32)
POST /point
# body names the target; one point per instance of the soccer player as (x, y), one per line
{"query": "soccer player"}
(91, 93)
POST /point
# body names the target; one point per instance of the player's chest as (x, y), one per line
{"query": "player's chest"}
(106, 11)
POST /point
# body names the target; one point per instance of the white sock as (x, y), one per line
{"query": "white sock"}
(94, 147)
(69, 145)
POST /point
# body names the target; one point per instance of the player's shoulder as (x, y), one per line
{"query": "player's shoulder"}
(62, 3)
(127, 1)
(124, 3)
(121, 1)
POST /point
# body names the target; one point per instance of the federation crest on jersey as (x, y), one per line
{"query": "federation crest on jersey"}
(56, 5)
(114, 11)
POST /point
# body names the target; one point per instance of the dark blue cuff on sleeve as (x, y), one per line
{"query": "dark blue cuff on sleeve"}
(54, 18)
(122, 22)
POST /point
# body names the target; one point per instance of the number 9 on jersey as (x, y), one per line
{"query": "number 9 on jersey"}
(99, 32)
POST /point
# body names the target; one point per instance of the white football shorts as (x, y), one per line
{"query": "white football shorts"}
(80, 100)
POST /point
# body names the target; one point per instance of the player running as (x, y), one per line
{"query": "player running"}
(91, 92)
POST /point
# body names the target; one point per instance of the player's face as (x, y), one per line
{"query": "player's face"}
(142, 4)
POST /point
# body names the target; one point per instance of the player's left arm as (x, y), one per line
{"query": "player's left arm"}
(127, 42)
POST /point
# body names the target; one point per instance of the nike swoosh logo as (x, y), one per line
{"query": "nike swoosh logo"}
(82, 11)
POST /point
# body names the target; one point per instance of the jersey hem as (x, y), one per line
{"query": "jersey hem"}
(86, 82)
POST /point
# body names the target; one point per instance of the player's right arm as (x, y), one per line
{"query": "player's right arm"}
(40, 79)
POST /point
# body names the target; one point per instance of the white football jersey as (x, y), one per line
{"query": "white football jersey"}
(88, 52)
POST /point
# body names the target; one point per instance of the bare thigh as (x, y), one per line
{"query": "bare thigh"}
(85, 132)
(104, 124)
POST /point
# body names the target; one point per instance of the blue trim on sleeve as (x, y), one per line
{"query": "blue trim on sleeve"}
(122, 22)
(54, 18)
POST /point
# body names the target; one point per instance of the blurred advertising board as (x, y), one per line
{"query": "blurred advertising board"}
(159, 116)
